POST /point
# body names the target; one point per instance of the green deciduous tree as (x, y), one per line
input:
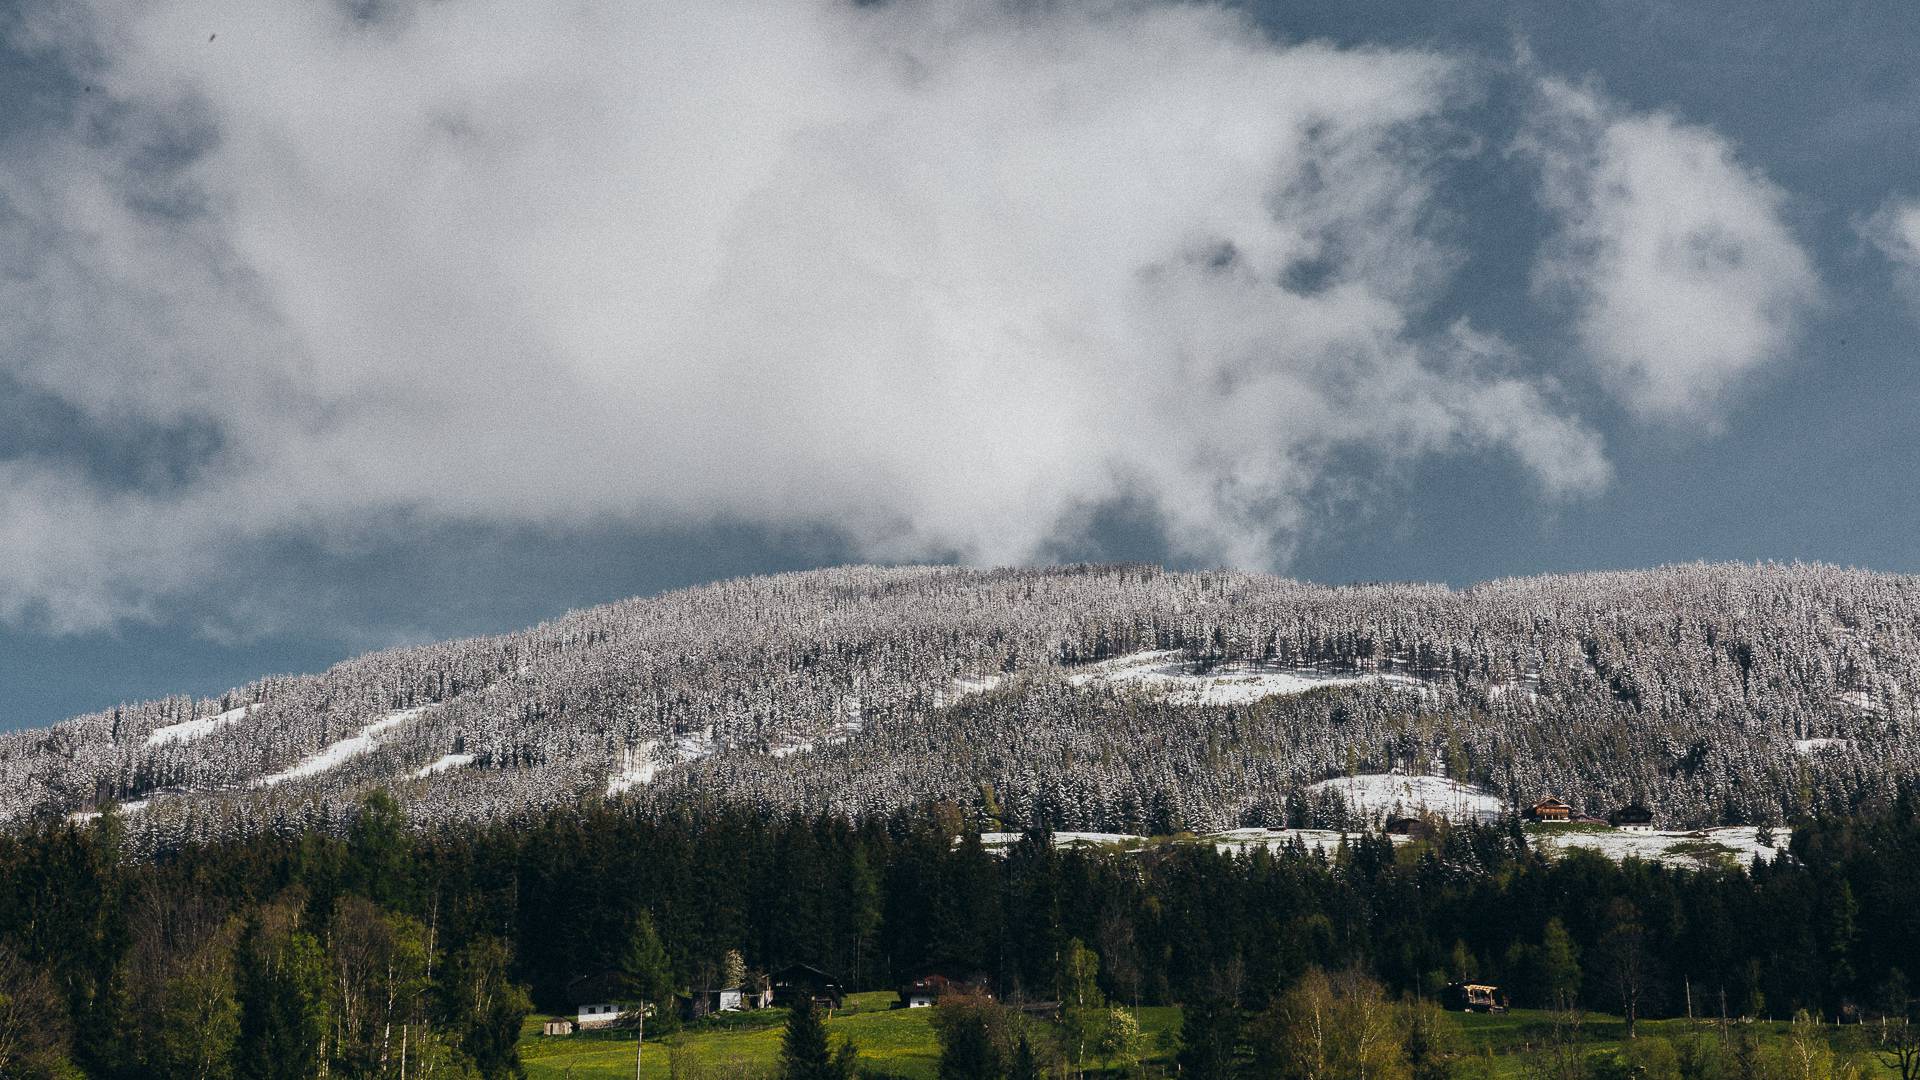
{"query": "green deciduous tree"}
(1434, 1045)
(967, 1047)
(1331, 1028)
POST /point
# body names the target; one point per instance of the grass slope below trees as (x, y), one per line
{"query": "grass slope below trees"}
(892, 1042)
(903, 1043)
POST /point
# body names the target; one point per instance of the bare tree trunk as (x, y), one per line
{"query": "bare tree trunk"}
(640, 1043)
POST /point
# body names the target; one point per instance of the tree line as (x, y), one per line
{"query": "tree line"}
(380, 946)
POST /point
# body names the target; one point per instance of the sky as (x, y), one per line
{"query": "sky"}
(327, 327)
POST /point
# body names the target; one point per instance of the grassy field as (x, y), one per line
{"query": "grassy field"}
(1508, 1035)
(890, 1040)
(900, 1042)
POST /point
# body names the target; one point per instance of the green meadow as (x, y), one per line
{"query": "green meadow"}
(900, 1042)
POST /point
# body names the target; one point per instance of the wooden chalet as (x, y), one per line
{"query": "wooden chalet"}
(1549, 810)
(928, 990)
(1632, 818)
(599, 1000)
(1413, 827)
(796, 983)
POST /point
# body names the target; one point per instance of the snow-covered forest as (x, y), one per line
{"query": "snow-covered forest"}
(1120, 698)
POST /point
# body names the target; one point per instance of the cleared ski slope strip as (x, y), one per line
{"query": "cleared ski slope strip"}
(198, 728)
(335, 754)
(1164, 672)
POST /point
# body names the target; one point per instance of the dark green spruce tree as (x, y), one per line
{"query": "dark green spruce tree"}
(283, 1004)
(967, 1050)
(1209, 1039)
(804, 1053)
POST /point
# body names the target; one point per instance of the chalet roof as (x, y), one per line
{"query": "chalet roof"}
(601, 986)
(804, 975)
(937, 984)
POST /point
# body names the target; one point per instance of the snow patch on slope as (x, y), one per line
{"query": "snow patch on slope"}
(1000, 841)
(1382, 795)
(1244, 841)
(966, 688)
(1231, 842)
(1163, 672)
(335, 754)
(442, 764)
(198, 728)
(81, 817)
(640, 764)
(1703, 847)
(834, 737)
(1815, 746)
(1526, 687)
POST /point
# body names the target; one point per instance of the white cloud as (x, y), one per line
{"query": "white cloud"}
(1895, 230)
(1684, 276)
(942, 275)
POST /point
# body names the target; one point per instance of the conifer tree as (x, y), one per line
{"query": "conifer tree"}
(646, 973)
(967, 1050)
(1559, 966)
(804, 1053)
(1209, 1039)
(283, 1000)
(1024, 1065)
(644, 969)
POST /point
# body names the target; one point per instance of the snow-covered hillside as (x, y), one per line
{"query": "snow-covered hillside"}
(1125, 700)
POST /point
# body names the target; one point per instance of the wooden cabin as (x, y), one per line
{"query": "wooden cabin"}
(929, 990)
(1549, 810)
(600, 1000)
(1415, 828)
(1632, 818)
(799, 982)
